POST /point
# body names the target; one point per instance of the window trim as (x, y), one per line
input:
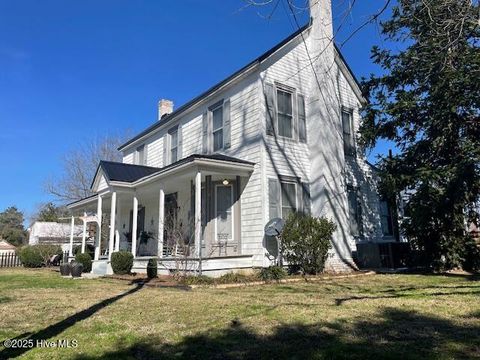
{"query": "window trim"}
(292, 93)
(211, 133)
(171, 131)
(214, 131)
(232, 210)
(295, 184)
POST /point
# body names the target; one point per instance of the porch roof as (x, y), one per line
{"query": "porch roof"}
(117, 173)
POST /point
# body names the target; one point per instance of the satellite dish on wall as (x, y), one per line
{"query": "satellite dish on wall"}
(274, 227)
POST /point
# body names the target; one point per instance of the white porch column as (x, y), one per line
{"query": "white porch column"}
(161, 219)
(99, 228)
(134, 225)
(72, 225)
(84, 231)
(198, 213)
(111, 239)
(117, 226)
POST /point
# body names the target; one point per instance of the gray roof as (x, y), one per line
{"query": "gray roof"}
(116, 171)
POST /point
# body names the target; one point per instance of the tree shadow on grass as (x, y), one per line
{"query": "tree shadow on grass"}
(416, 294)
(57, 328)
(395, 334)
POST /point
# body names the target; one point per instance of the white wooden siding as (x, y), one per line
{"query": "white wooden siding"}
(321, 161)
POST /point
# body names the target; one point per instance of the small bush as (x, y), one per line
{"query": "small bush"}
(196, 280)
(235, 278)
(306, 240)
(152, 268)
(272, 273)
(122, 262)
(86, 260)
(89, 249)
(30, 257)
(38, 255)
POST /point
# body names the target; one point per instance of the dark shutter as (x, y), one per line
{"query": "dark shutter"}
(274, 198)
(271, 111)
(302, 121)
(226, 124)
(179, 142)
(191, 213)
(307, 206)
(205, 133)
(165, 150)
(353, 210)
(145, 155)
(210, 203)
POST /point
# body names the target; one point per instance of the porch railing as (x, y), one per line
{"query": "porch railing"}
(173, 251)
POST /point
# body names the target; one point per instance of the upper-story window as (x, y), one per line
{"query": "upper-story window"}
(217, 129)
(173, 144)
(140, 156)
(348, 132)
(286, 116)
(285, 113)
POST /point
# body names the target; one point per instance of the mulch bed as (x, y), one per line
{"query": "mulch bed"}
(170, 282)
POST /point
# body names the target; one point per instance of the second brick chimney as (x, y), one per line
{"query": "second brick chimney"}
(165, 107)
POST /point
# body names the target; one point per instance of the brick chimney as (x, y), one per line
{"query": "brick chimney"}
(321, 43)
(165, 107)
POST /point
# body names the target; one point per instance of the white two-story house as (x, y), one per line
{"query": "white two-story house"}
(277, 136)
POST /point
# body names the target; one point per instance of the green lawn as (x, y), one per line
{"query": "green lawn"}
(369, 317)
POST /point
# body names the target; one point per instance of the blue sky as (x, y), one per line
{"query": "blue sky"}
(70, 70)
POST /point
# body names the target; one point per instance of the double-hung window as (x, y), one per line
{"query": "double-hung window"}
(217, 127)
(348, 132)
(289, 198)
(173, 145)
(287, 194)
(285, 113)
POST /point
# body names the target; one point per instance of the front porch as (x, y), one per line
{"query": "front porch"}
(187, 213)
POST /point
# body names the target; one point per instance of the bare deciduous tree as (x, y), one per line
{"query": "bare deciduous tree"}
(79, 166)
